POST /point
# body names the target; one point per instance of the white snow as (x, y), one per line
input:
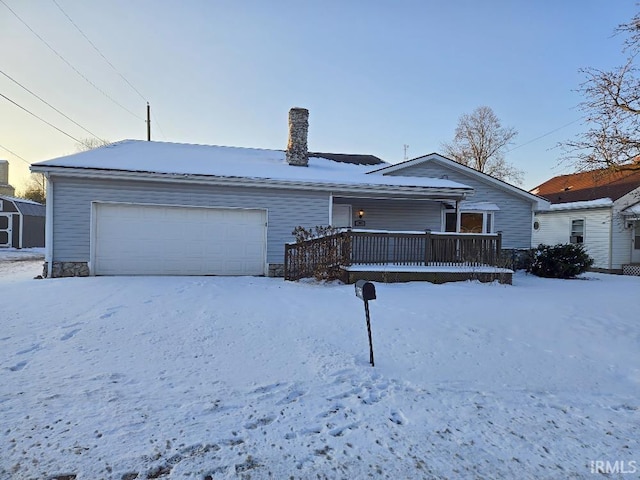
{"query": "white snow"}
(214, 377)
(600, 202)
(235, 162)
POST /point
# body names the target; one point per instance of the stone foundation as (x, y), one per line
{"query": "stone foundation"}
(66, 269)
(276, 270)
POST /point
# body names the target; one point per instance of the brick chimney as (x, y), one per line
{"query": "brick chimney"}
(297, 146)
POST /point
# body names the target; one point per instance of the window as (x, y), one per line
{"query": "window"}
(470, 222)
(577, 231)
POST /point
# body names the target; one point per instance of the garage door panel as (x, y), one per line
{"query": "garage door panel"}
(165, 240)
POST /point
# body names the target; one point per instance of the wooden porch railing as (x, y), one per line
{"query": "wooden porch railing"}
(390, 248)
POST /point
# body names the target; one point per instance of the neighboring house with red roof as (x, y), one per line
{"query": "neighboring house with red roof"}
(599, 209)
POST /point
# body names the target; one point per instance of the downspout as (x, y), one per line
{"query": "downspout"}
(48, 226)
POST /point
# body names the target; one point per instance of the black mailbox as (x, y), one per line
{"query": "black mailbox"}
(365, 290)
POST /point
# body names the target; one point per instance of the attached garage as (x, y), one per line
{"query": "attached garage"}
(139, 239)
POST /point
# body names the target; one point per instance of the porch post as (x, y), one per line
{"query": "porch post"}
(331, 209)
(457, 216)
(427, 247)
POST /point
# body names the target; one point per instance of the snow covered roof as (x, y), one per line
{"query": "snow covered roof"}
(633, 210)
(232, 162)
(600, 202)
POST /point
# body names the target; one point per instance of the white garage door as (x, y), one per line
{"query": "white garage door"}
(166, 240)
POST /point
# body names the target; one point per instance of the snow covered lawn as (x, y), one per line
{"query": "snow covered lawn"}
(211, 377)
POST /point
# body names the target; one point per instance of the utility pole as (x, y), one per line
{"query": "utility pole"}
(148, 122)
(406, 147)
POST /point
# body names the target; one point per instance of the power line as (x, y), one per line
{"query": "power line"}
(40, 118)
(68, 63)
(15, 154)
(98, 50)
(544, 135)
(51, 106)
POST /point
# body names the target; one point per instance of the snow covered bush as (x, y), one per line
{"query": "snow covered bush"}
(559, 261)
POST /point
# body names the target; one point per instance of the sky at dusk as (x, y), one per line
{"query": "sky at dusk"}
(375, 75)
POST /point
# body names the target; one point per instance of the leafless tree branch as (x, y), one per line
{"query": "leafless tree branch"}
(480, 142)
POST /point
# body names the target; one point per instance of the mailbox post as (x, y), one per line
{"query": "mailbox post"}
(367, 291)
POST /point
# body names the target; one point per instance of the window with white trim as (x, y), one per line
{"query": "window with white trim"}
(577, 231)
(478, 221)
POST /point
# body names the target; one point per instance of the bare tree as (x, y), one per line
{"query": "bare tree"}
(480, 142)
(90, 143)
(35, 188)
(611, 108)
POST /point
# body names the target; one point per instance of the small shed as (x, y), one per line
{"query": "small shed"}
(21, 222)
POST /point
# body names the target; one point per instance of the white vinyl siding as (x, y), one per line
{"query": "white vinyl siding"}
(556, 227)
(621, 233)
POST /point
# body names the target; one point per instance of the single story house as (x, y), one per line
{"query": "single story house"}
(156, 208)
(599, 209)
(22, 223)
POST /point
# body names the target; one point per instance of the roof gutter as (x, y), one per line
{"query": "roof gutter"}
(408, 190)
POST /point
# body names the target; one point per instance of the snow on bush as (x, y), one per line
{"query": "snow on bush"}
(559, 261)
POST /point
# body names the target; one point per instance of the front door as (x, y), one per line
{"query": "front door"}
(341, 216)
(6, 221)
(635, 242)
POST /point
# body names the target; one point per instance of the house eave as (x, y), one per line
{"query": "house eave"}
(363, 189)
